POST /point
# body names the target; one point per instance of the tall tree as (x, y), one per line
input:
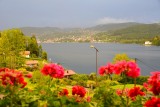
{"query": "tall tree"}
(12, 42)
(40, 51)
(33, 47)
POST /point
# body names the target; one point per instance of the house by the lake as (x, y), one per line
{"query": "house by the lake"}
(25, 54)
(69, 73)
(32, 63)
(148, 43)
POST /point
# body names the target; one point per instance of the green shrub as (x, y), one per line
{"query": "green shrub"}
(140, 80)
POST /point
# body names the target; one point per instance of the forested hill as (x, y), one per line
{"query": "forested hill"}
(133, 34)
(120, 32)
(141, 30)
(49, 33)
(112, 26)
(61, 31)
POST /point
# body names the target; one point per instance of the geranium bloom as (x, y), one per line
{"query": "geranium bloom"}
(135, 92)
(120, 67)
(102, 70)
(153, 102)
(29, 75)
(154, 82)
(64, 92)
(124, 92)
(154, 78)
(78, 90)
(155, 88)
(53, 70)
(133, 70)
(12, 77)
(88, 99)
(146, 85)
(108, 69)
(129, 68)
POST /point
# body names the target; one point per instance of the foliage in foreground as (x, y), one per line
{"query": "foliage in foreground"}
(46, 88)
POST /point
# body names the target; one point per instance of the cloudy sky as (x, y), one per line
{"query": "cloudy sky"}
(76, 13)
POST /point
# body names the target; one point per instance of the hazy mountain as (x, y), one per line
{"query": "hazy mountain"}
(112, 26)
(142, 30)
(39, 30)
(52, 31)
(100, 32)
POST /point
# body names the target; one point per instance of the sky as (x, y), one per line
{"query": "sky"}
(76, 13)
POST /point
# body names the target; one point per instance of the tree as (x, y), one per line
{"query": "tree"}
(44, 55)
(40, 51)
(156, 41)
(12, 42)
(33, 47)
(120, 57)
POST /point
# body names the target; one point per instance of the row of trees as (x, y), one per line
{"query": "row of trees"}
(156, 41)
(12, 43)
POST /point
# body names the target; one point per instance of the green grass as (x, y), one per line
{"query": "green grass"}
(127, 86)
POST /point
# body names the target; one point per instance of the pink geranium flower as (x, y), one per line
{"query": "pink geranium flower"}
(53, 70)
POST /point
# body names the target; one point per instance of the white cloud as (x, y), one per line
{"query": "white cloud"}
(107, 20)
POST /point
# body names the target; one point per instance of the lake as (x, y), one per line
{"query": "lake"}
(82, 59)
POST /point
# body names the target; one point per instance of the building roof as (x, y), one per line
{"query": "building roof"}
(69, 72)
(26, 52)
(31, 62)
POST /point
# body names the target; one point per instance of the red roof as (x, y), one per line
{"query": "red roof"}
(31, 62)
(26, 52)
(69, 72)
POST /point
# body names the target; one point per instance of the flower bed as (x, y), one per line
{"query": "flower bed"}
(46, 89)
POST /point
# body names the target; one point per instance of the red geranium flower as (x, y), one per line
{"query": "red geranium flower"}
(78, 90)
(12, 77)
(64, 92)
(134, 92)
(29, 75)
(121, 93)
(102, 70)
(88, 99)
(154, 82)
(155, 88)
(153, 102)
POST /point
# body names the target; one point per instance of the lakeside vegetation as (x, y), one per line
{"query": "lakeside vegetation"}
(13, 44)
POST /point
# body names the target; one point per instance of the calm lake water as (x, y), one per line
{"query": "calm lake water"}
(82, 59)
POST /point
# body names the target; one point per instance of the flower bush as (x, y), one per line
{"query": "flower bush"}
(13, 82)
(12, 77)
(46, 89)
(129, 68)
(135, 96)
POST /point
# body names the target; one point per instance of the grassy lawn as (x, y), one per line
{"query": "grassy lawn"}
(127, 86)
